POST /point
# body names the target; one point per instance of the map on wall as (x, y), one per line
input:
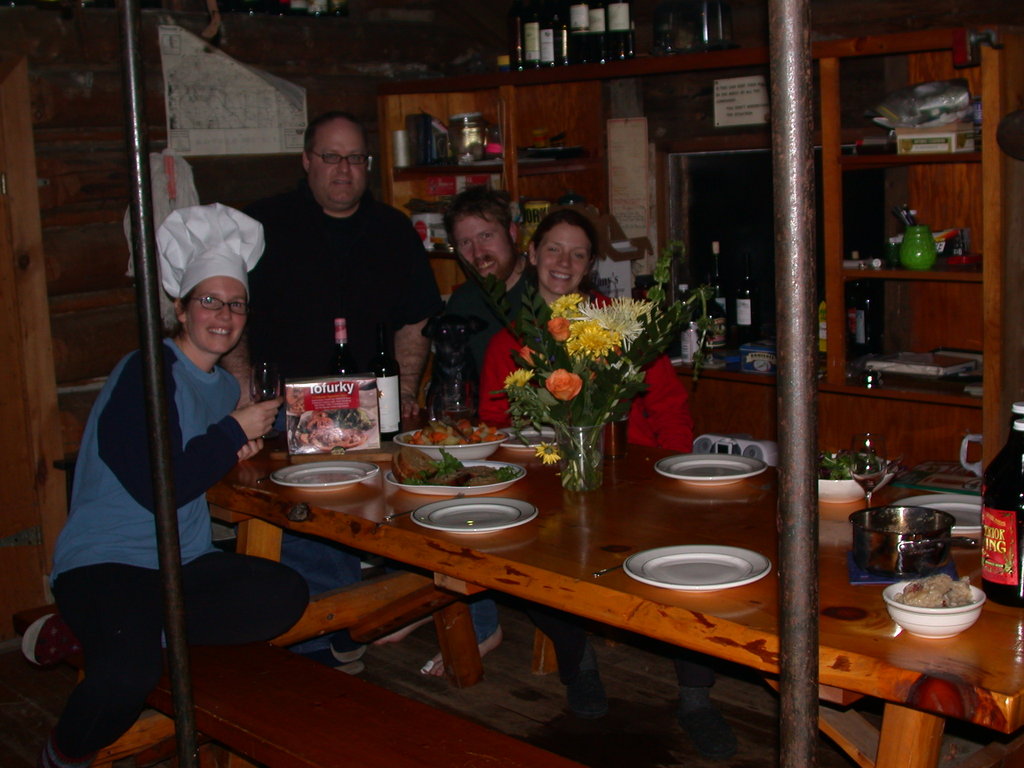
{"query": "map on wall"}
(219, 106)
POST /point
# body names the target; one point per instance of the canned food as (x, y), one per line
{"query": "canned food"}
(534, 212)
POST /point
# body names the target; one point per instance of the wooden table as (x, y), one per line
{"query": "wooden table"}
(977, 676)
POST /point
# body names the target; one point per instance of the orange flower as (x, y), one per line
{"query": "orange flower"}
(527, 354)
(563, 385)
(558, 327)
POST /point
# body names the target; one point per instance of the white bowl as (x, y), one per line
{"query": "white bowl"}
(932, 622)
(466, 452)
(839, 491)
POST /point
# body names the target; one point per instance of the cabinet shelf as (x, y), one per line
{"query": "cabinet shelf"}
(523, 168)
(867, 162)
(910, 390)
(966, 274)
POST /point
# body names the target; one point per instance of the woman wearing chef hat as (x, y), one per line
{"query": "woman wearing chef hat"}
(105, 574)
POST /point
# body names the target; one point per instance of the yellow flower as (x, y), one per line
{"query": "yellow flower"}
(589, 339)
(547, 453)
(518, 378)
(565, 306)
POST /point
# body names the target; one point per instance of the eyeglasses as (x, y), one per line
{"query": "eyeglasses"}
(333, 158)
(213, 304)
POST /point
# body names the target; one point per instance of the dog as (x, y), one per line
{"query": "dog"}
(454, 380)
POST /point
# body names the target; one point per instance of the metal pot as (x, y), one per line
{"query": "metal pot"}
(903, 541)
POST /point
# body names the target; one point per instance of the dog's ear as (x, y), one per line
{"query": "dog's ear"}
(431, 326)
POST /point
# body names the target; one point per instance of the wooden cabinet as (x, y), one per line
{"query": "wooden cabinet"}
(974, 309)
(959, 307)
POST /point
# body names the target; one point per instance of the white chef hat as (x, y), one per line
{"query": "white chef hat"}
(207, 241)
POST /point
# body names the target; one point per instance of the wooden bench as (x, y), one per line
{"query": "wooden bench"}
(283, 710)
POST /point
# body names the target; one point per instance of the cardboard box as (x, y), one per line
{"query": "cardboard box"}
(759, 357)
(944, 139)
(332, 415)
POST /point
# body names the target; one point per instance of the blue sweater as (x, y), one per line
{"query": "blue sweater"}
(112, 502)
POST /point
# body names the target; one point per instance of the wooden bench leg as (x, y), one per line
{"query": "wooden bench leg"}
(544, 661)
(150, 729)
(461, 656)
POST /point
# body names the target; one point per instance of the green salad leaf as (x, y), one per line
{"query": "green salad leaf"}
(835, 466)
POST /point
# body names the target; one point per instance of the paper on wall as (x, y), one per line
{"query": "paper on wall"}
(218, 106)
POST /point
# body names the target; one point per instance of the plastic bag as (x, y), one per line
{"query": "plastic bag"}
(925, 105)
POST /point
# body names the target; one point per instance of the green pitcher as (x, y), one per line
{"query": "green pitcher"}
(917, 250)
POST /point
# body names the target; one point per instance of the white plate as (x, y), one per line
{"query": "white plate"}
(966, 509)
(474, 515)
(324, 475)
(709, 469)
(529, 438)
(697, 567)
(460, 490)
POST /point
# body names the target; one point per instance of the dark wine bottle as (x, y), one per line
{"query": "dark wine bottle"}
(618, 32)
(745, 307)
(560, 33)
(1002, 522)
(343, 362)
(717, 306)
(385, 368)
(547, 33)
(864, 317)
(515, 35)
(598, 25)
(531, 34)
(579, 29)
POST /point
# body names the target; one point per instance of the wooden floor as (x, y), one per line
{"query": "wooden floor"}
(639, 732)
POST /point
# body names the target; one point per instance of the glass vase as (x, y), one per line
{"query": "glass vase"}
(918, 248)
(582, 452)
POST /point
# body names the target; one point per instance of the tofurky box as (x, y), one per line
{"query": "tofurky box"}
(333, 415)
(758, 357)
(956, 137)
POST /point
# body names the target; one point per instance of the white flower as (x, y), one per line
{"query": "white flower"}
(623, 316)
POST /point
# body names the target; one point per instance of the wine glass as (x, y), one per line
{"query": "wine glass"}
(265, 384)
(869, 463)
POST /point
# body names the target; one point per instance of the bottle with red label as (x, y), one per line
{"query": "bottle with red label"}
(1002, 522)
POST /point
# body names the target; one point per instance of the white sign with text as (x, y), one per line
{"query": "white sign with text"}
(741, 101)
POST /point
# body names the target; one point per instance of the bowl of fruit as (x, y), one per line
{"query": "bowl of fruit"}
(461, 439)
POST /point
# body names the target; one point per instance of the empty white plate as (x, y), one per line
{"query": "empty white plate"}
(474, 515)
(697, 567)
(709, 469)
(528, 438)
(966, 509)
(324, 475)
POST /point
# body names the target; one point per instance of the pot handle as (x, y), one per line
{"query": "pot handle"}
(909, 547)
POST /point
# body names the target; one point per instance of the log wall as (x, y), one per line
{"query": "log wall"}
(78, 121)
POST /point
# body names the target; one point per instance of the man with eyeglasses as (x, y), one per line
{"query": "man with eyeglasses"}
(335, 251)
(332, 250)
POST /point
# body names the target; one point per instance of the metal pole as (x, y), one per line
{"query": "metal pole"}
(147, 300)
(795, 286)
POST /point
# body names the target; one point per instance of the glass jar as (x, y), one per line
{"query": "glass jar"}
(690, 26)
(468, 134)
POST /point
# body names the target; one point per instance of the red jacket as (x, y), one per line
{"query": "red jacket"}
(660, 415)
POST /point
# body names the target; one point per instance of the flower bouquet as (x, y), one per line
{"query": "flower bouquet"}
(580, 365)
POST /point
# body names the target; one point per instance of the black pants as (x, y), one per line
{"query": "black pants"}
(569, 637)
(116, 612)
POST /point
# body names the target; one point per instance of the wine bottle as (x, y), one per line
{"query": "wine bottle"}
(717, 306)
(597, 23)
(579, 29)
(746, 309)
(1004, 456)
(1002, 522)
(864, 317)
(389, 406)
(619, 26)
(560, 33)
(343, 362)
(547, 34)
(515, 35)
(531, 35)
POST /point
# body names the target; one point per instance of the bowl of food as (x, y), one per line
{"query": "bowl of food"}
(463, 440)
(835, 481)
(937, 606)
